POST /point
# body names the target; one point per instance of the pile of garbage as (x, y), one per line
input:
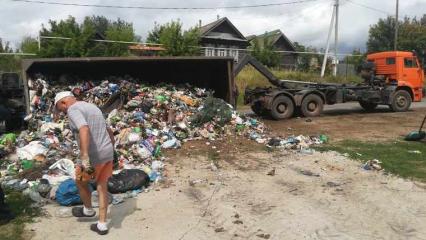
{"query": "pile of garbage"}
(145, 120)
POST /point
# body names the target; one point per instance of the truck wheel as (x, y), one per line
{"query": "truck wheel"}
(312, 105)
(368, 106)
(401, 101)
(257, 108)
(282, 108)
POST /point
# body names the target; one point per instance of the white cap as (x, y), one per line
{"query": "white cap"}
(61, 95)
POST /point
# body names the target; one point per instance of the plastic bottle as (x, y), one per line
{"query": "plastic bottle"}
(157, 151)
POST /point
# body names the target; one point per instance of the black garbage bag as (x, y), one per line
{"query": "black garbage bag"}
(127, 180)
(5, 214)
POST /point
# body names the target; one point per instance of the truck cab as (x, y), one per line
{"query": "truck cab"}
(402, 69)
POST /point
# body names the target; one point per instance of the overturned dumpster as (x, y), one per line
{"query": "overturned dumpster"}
(215, 73)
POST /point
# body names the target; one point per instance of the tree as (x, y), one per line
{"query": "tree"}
(176, 41)
(8, 63)
(264, 51)
(81, 37)
(29, 45)
(411, 35)
(309, 62)
(356, 59)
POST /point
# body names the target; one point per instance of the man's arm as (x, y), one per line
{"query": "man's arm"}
(84, 133)
(111, 135)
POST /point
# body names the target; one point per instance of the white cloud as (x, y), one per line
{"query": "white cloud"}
(306, 23)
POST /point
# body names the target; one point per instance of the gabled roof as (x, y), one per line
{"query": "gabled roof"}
(274, 36)
(206, 29)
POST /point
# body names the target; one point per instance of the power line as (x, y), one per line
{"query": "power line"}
(165, 8)
(366, 6)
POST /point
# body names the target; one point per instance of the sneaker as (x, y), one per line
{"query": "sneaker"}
(78, 212)
(94, 227)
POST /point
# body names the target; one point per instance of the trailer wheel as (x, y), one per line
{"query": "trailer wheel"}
(258, 109)
(282, 108)
(368, 106)
(401, 101)
(312, 105)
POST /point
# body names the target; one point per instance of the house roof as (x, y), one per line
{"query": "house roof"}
(206, 29)
(274, 36)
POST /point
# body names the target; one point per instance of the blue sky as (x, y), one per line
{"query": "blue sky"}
(306, 23)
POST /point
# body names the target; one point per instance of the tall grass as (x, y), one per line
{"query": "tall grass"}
(250, 77)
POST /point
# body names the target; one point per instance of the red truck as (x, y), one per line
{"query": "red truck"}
(395, 79)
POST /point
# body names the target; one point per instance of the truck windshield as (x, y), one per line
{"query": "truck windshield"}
(410, 63)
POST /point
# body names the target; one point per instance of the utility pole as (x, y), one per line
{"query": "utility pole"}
(39, 42)
(330, 30)
(336, 38)
(395, 43)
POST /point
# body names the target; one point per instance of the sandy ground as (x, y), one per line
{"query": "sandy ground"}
(319, 196)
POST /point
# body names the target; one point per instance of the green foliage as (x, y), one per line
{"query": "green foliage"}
(411, 35)
(263, 50)
(176, 41)
(406, 159)
(355, 60)
(29, 45)
(8, 63)
(24, 212)
(310, 62)
(82, 35)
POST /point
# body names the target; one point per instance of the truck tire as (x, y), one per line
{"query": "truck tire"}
(312, 105)
(257, 108)
(401, 101)
(368, 106)
(282, 108)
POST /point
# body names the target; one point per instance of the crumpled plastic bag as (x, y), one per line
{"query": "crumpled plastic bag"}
(66, 166)
(51, 126)
(31, 150)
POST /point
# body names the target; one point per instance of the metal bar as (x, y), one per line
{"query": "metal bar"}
(18, 54)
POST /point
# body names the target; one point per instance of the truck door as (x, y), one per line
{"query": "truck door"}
(411, 74)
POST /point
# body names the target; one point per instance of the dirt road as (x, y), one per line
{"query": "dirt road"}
(351, 122)
(319, 196)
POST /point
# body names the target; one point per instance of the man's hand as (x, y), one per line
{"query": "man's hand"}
(81, 175)
(84, 164)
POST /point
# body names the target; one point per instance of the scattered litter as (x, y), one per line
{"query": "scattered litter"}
(264, 236)
(372, 165)
(145, 120)
(271, 173)
(415, 151)
(309, 173)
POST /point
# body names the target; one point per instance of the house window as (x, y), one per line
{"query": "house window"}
(222, 52)
(209, 52)
(410, 63)
(390, 61)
